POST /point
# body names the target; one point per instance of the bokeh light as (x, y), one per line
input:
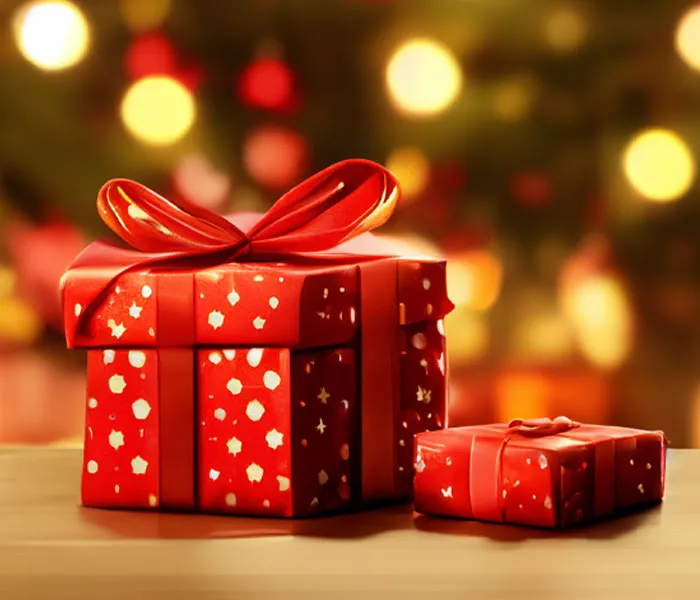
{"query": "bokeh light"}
(412, 168)
(200, 183)
(144, 15)
(514, 98)
(267, 83)
(659, 165)
(468, 336)
(601, 316)
(543, 336)
(275, 157)
(150, 54)
(423, 78)
(52, 35)
(158, 110)
(688, 38)
(474, 280)
(565, 29)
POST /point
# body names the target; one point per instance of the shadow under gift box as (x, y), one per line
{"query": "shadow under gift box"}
(298, 392)
(493, 473)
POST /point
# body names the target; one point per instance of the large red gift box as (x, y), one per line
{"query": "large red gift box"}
(261, 373)
(538, 472)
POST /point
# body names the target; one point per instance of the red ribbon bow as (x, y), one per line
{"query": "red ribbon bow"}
(541, 427)
(331, 207)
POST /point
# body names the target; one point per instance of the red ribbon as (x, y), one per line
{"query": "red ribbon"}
(331, 207)
(541, 427)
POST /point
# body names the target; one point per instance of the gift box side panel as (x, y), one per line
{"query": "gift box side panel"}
(442, 473)
(121, 451)
(326, 434)
(244, 458)
(639, 475)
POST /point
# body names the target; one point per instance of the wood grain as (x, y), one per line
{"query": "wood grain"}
(52, 548)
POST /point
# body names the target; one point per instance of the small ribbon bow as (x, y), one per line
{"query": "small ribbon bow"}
(541, 427)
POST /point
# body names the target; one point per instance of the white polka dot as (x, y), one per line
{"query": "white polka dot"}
(254, 410)
(234, 386)
(137, 358)
(152, 500)
(233, 298)
(281, 279)
(230, 499)
(322, 477)
(229, 354)
(271, 380)
(419, 341)
(274, 302)
(215, 357)
(146, 291)
(141, 409)
(325, 293)
(258, 322)
(151, 332)
(254, 356)
(92, 467)
(441, 327)
(258, 278)
(216, 319)
(214, 474)
(274, 439)
(542, 460)
(284, 483)
(78, 309)
(108, 357)
(92, 403)
(548, 503)
(266, 503)
(116, 488)
(426, 284)
(116, 384)
(118, 329)
(116, 439)
(139, 466)
(220, 414)
(254, 473)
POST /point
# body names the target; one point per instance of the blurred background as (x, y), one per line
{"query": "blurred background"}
(547, 148)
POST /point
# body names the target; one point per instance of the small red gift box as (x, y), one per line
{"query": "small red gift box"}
(541, 473)
(256, 373)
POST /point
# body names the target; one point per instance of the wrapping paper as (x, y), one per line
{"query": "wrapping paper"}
(282, 384)
(540, 473)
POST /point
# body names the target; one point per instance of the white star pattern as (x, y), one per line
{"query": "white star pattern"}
(233, 298)
(258, 322)
(108, 356)
(229, 354)
(254, 473)
(273, 302)
(447, 493)
(423, 395)
(254, 356)
(234, 386)
(220, 414)
(284, 483)
(274, 439)
(321, 427)
(146, 291)
(139, 466)
(323, 396)
(214, 358)
(216, 319)
(271, 380)
(234, 446)
(116, 439)
(135, 311)
(254, 410)
(117, 330)
(116, 384)
(137, 358)
(141, 409)
(214, 474)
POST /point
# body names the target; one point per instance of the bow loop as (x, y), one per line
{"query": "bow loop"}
(541, 427)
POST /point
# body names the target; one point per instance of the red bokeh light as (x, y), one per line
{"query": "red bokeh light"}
(267, 83)
(150, 54)
(275, 157)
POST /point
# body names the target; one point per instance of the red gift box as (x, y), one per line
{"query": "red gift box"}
(540, 472)
(275, 372)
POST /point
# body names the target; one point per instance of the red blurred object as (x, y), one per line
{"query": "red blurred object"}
(275, 157)
(267, 83)
(190, 76)
(539, 472)
(449, 176)
(150, 54)
(41, 254)
(531, 189)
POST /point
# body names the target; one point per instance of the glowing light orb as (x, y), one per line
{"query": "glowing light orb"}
(659, 165)
(474, 280)
(565, 29)
(143, 15)
(468, 336)
(423, 78)
(267, 83)
(514, 99)
(688, 38)
(158, 110)
(275, 157)
(411, 167)
(52, 35)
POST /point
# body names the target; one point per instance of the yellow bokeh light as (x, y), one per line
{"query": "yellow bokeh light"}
(688, 38)
(467, 336)
(19, 324)
(514, 99)
(474, 280)
(601, 318)
(659, 165)
(423, 78)
(565, 29)
(543, 337)
(411, 167)
(158, 110)
(51, 35)
(143, 15)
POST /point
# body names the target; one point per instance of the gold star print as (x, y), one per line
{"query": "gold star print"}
(323, 396)
(321, 426)
(423, 395)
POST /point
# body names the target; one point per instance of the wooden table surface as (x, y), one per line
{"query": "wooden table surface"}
(52, 548)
